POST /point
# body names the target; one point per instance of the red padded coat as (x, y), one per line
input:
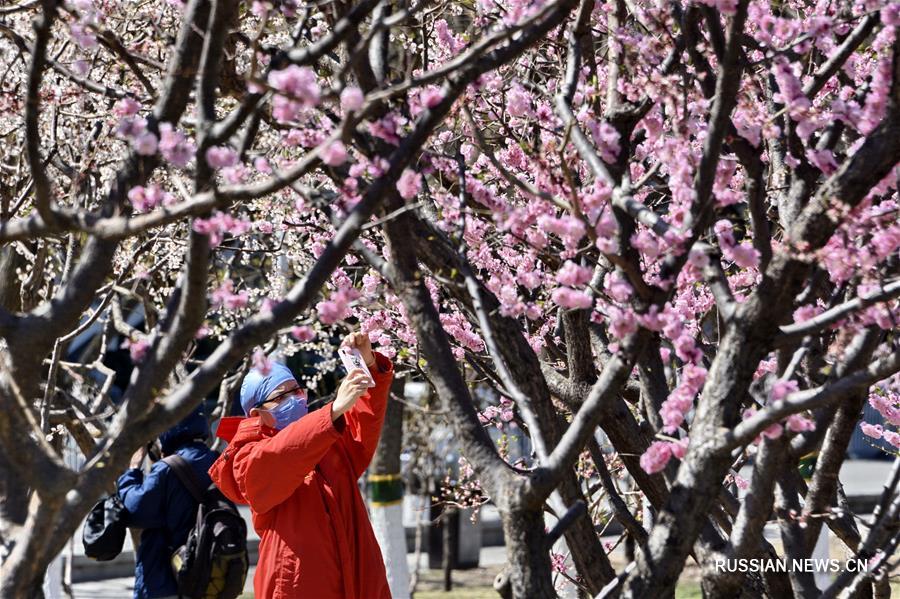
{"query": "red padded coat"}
(316, 540)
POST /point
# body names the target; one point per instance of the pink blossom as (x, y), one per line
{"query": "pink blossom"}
(137, 349)
(724, 233)
(431, 96)
(352, 99)
(289, 10)
(773, 431)
(607, 139)
(646, 243)
(83, 36)
(558, 562)
(285, 109)
(656, 457)
(386, 129)
(621, 322)
(877, 98)
(81, 67)
(651, 319)
(303, 333)
(886, 404)
(781, 389)
(726, 7)
(570, 298)
(218, 224)
(261, 362)
(126, 107)
(595, 198)
(686, 348)
(741, 482)
(262, 165)
(334, 154)
(298, 83)
(224, 296)
(890, 15)
(681, 400)
(260, 9)
(573, 275)
(518, 101)
(449, 42)
(570, 229)
(679, 448)
(221, 156)
(338, 307)
(488, 414)
(746, 128)
(617, 287)
(174, 146)
(606, 229)
(131, 127)
(822, 160)
(871, 430)
(235, 174)
(409, 184)
(145, 144)
(144, 199)
(804, 313)
(891, 437)
(798, 424)
(744, 255)
(698, 259)
(790, 90)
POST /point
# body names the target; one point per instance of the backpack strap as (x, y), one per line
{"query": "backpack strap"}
(186, 475)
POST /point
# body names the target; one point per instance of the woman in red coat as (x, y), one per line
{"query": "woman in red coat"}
(298, 472)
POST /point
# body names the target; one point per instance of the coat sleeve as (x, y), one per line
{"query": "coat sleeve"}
(144, 496)
(365, 419)
(268, 471)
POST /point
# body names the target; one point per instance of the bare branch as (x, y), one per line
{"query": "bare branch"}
(574, 512)
(792, 332)
(610, 381)
(837, 58)
(809, 399)
(43, 193)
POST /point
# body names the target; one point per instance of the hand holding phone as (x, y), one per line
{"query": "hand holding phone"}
(352, 360)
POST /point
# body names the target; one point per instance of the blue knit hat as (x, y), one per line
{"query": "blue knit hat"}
(257, 386)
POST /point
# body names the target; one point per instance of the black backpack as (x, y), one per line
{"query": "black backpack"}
(213, 562)
(104, 530)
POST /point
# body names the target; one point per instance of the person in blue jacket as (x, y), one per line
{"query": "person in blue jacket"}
(162, 506)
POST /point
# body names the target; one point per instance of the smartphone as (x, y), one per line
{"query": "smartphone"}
(352, 359)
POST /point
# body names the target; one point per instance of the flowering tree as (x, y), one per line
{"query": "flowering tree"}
(672, 223)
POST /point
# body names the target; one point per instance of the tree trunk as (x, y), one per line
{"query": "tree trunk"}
(529, 559)
(13, 491)
(386, 496)
(23, 570)
(450, 518)
(13, 505)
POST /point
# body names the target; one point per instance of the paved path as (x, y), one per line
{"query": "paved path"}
(122, 588)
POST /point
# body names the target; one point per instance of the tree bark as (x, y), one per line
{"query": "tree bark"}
(530, 573)
(386, 496)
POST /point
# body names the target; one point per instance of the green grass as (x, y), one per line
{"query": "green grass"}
(688, 590)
